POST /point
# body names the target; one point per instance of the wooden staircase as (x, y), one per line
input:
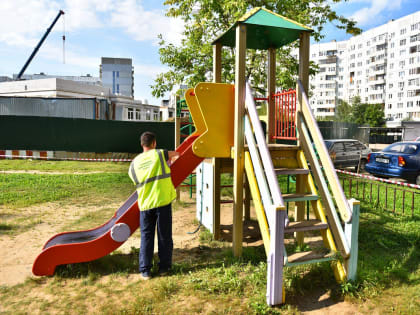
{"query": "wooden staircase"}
(288, 160)
(317, 185)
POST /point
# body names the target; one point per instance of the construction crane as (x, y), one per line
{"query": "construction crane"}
(39, 45)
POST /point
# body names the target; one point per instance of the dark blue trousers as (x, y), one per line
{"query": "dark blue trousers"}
(161, 216)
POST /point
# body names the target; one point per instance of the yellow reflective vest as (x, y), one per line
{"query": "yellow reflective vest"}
(152, 177)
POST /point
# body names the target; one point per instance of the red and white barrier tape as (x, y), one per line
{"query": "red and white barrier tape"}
(4, 156)
(379, 179)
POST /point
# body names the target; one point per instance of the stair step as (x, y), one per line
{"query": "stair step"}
(310, 257)
(282, 147)
(308, 225)
(299, 197)
(291, 171)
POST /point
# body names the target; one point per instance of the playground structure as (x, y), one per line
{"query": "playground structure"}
(223, 141)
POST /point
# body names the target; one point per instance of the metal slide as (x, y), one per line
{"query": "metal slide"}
(83, 246)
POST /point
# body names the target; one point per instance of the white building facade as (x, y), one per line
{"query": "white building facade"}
(117, 75)
(125, 108)
(382, 65)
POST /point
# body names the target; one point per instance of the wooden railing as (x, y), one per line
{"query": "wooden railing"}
(308, 132)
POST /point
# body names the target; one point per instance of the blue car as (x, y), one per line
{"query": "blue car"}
(400, 159)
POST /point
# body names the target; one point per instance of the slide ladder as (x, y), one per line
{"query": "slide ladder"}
(264, 164)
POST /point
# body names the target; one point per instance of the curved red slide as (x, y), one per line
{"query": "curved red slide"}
(82, 246)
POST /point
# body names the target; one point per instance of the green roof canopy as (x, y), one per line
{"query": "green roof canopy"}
(265, 29)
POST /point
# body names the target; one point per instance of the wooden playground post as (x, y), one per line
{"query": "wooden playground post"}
(238, 154)
(271, 88)
(217, 78)
(304, 78)
(177, 143)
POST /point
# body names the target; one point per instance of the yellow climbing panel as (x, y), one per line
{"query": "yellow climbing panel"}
(215, 102)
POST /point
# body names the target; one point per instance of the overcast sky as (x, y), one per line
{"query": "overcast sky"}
(126, 29)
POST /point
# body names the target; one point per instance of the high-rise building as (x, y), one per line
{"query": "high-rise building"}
(117, 75)
(381, 65)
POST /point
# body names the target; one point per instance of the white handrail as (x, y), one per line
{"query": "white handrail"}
(265, 154)
(259, 172)
(337, 190)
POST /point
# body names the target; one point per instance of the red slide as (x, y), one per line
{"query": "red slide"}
(82, 246)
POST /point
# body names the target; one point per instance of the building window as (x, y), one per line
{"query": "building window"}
(148, 114)
(410, 104)
(130, 113)
(402, 42)
(403, 31)
(414, 38)
(155, 115)
(118, 88)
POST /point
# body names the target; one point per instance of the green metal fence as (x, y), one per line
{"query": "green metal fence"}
(79, 135)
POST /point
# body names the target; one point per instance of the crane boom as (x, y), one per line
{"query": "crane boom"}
(39, 45)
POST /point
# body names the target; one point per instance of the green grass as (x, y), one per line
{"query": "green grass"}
(208, 279)
(62, 166)
(19, 190)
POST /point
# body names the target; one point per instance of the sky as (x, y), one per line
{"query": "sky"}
(126, 29)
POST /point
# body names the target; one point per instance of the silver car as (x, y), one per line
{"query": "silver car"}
(348, 153)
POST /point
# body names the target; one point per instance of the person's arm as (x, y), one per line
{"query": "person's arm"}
(173, 155)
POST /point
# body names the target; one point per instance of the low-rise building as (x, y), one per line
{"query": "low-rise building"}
(120, 107)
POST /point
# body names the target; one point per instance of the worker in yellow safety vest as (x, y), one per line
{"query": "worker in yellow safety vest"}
(151, 174)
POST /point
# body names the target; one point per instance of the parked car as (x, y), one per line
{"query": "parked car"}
(400, 159)
(348, 153)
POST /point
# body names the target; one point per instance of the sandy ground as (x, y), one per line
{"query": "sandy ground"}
(19, 252)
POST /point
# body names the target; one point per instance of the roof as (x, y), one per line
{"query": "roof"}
(265, 29)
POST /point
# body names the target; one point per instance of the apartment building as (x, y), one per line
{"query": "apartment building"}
(381, 65)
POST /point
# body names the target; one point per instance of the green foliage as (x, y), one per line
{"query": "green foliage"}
(343, 112)
(367, 114)
(205, 20)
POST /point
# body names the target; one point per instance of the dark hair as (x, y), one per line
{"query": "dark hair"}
(147, 138)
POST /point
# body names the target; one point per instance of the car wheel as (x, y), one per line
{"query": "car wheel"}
(361, 166)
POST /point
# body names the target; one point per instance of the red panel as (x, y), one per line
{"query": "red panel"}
(285, 117)
(2, 154)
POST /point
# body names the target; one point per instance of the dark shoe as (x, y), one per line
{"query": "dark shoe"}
(146, 275)
(164, 272)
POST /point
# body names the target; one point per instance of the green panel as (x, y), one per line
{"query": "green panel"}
(265, 29)
(79, 135)
(267, 18)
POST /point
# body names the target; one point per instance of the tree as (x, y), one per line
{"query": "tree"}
(343, 112)
(367, 114)
(375, 116)
(205, 20)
